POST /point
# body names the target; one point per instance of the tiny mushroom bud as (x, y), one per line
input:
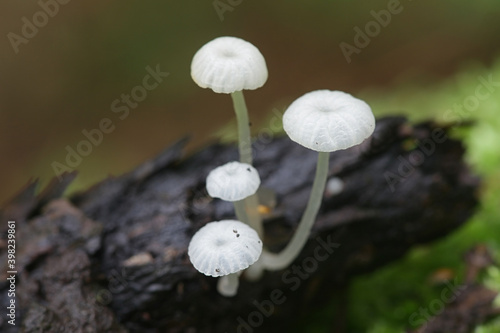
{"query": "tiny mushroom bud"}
(334, 186)
(229, 64)
(224, 248)
(233, 181)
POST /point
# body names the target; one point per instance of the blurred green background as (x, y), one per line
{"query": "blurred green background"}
(64, 79)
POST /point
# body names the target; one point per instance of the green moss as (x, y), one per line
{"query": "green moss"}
(385, 300)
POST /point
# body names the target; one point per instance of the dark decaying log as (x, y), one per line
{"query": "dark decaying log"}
(113, 258)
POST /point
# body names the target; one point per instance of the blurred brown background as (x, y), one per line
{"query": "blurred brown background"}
(63, 79)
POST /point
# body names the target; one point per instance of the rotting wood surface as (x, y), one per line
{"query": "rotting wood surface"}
(114, 258)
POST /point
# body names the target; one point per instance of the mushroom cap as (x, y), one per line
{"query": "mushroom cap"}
(326, 121)
(233, 181)
(224, 247)
(229, 64)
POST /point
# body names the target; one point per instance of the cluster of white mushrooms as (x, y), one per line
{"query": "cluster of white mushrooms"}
(322, 120)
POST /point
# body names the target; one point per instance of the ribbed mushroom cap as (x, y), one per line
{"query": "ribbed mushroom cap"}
(224, 247)
(229, 64)
(233, 181)
(325, 120)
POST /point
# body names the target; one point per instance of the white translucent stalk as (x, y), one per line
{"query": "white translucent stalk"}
(227, 285)
(245, 149)
(247, 210)
(244, 139)
(277, 261)
(255, 271)
(252, 210)
(240, 210)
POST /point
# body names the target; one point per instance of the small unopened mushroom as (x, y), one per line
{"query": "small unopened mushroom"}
(334, 186)
(233, 181)
(324, 121)
(222, 248)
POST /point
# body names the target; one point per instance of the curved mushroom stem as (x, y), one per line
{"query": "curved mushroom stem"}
(249, 206)
(227, 285)
(277, 261)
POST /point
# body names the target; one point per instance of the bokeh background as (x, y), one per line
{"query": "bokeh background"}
(64, 77)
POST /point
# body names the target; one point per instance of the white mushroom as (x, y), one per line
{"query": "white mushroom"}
(324, 121)
(229, 64)
(233, 181)
(223, 248)
(237, 182)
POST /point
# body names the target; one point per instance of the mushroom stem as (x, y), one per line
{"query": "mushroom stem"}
(252, 211)
(247, 211)
(277, 261)
(245, 148)
(244, 143)
(239, 209)
(227, 285)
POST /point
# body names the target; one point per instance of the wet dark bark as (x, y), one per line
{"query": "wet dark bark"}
(113, 258)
